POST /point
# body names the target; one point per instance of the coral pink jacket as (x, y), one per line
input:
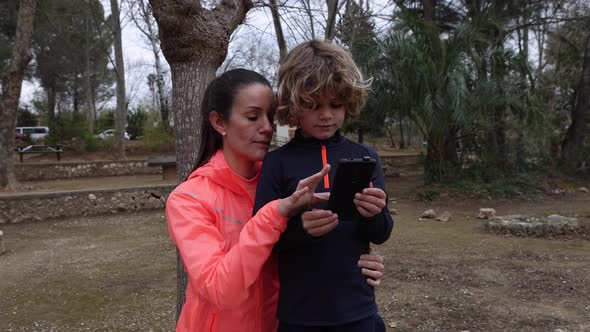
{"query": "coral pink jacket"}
(233, 284)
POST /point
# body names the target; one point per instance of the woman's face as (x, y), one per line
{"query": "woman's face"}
(249, 129)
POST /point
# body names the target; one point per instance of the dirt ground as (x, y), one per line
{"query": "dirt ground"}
(117, 272)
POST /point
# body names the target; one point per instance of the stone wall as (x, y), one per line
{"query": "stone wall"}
(70, 170)
(41, 206)
(530, 226)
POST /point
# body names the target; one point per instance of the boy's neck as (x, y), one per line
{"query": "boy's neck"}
(244, 168)
(308, 136)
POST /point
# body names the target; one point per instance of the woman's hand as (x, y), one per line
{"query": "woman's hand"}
(372, 266)
(319, 222)
(304, 195)
(370, 202)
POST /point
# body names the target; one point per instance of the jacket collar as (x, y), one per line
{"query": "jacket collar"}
(300, 139)
(218, 171)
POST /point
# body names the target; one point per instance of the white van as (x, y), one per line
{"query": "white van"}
(36, 133)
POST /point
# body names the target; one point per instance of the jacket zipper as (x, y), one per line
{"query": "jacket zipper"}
(324, 163)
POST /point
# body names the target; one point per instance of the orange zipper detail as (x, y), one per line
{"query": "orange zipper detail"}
(324, 163)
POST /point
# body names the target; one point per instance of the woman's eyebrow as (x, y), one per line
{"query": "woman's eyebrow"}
(254, 107)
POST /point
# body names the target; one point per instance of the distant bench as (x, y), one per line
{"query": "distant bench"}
(168, 164)
(40, 149)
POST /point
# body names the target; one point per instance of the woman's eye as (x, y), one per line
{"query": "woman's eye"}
(252, 118)
(336, 105)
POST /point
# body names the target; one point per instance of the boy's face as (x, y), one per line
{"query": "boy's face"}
(323, 121)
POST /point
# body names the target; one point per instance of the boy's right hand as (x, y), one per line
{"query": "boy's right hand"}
(319, 222)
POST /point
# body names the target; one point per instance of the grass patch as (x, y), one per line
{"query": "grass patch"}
(523, 185)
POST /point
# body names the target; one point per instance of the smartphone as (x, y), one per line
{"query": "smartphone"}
(352, 176)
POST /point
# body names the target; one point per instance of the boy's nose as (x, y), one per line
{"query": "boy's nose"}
(325, 113)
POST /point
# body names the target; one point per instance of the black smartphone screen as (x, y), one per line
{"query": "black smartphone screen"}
(352, 176)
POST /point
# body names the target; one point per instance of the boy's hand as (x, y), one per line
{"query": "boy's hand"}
(370, 202)
(304, 195)
(319, 222)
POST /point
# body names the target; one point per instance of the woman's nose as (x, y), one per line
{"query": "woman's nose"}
(266, 126)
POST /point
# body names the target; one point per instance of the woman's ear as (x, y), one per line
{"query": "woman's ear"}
(217, 122)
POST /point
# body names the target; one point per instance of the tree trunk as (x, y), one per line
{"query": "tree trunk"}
(408, 133)
(51, 97)
(574, 138)
(390, 134)
(121, 112)
(307, 7)
(276, 19)
(331, 21)
(12, 80)
(153, 38)
(194, 40)
(401, 132)
(428, 7)
(90, 108)
(160, 84)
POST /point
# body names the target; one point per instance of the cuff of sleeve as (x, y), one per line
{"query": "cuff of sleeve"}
(271, 213)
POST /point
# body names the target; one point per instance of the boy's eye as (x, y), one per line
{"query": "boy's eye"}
(252, 118)
(335, 105)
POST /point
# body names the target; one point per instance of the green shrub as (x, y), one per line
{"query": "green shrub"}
(158, 139)
(90, 142)
(429, 194)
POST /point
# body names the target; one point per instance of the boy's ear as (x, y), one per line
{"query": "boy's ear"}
(217, 122)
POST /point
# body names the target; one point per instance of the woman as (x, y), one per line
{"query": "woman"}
(232, 272)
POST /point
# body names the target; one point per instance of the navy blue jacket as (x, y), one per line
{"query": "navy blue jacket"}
(320, 281)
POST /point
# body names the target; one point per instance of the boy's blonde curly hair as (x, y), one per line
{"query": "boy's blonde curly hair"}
(314, 70)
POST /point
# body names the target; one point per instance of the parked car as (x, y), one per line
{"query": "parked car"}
(20, 137)
(109, 133)
(35, 133)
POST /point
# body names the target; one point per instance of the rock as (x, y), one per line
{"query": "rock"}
(429, 214)
(2, 249)
(559, 330)
(91, 197)
(486, 213)
(583, 189)
(555, 218)
(393, 324)
(466, 291)
(445, 216)
(558, 191)
(393, 212)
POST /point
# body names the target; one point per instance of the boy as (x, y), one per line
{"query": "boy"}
(321, 286)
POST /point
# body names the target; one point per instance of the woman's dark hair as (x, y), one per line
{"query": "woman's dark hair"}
(219, 97)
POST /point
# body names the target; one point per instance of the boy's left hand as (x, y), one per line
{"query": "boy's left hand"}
(370, 202)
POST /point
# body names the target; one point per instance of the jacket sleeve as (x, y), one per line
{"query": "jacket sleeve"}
(221, 276)
(270, 187)
(380, 226)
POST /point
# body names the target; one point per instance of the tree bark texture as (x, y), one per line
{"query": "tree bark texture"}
(12, 80)
(428, 7)
(331, 20)
(577, 131)
(194, 41)
(90, 107)
(121, 112)
(152, 36)
(276, 18)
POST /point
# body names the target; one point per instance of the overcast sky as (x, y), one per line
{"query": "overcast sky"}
(139, 58)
